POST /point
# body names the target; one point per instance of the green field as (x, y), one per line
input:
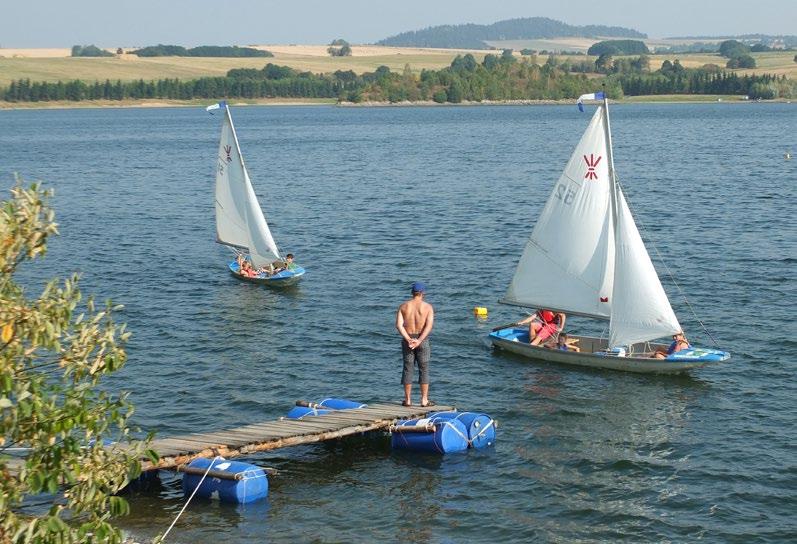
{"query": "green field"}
(129, 67)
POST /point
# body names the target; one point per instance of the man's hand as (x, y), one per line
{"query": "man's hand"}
(413, 343)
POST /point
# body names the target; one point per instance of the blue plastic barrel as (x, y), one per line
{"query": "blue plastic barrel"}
(448, 436)
(252, 486)
(341, 404)
(299, 412)
(480, 427)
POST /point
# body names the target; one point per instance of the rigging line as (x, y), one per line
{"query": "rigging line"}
(667, 268)
(163, 538)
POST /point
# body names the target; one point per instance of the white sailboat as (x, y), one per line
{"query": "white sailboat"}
(240, 223)
(586, 257)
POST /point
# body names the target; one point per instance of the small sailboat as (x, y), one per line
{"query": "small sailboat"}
(240, 223)
(586, 257)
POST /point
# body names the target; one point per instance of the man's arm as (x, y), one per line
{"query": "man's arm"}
(562, 319)
(400, 326)
(427, 326)
(527, 320)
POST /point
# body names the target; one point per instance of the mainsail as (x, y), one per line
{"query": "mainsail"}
(239, 218)
(585, 258)
(569, 259)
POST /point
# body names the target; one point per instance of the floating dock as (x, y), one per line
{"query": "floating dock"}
(271, 435)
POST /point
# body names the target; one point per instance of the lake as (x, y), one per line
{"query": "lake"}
(372, 199)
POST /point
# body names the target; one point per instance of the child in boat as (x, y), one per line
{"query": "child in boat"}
(679, 342)
(563, 343)
(288, 264)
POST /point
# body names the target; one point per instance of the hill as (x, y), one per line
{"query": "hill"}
(473, 36)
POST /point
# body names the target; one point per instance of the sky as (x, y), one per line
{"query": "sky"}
(125, 23)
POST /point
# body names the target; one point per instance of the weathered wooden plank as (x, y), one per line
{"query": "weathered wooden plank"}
(271, 435)
(291, 427)
(343, 419)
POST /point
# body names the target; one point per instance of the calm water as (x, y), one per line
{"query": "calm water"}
(373, 199)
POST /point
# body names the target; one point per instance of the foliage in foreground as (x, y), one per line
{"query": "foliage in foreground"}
(54, 414)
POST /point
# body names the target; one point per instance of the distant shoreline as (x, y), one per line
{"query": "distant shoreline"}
(648, 99)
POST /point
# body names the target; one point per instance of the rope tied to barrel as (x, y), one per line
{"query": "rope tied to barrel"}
(448, 423)
(210, 466)
(491, 424)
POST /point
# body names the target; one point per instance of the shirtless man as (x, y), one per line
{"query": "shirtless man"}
(414, 321)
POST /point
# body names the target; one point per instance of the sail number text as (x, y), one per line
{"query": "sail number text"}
(565, 194)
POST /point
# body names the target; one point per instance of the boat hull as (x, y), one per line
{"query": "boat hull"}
(280, 279)
(515, 340)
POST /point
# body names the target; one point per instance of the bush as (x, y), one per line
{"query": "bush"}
(733, 48)
(344, 51)
(742, 61)
(441, 96)
(89, 51)
(619, 47)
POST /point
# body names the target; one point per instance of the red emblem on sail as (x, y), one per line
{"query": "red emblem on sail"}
(592, 163)
(604, 299)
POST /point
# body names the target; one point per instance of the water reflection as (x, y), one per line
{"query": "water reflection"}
(609, 445)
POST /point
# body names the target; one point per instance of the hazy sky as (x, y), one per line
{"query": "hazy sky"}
(110, 23)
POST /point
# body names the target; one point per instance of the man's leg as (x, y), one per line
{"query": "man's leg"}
(424, 394)
(408, 356)
(422, 355)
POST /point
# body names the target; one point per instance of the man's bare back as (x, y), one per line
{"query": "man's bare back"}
(416, 314)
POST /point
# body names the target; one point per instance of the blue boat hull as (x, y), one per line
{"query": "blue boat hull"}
(285, 277)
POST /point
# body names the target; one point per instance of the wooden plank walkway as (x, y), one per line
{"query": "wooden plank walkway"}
(270, 435)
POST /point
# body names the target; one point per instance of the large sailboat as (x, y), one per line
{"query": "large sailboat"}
(586, 257)
(240, 223)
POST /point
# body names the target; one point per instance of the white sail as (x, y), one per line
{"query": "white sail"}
(641, 310)
(239, 218)
(568, 262)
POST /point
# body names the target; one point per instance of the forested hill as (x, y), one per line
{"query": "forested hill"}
(472, 36)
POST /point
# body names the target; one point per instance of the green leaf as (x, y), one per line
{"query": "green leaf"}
(153, 456)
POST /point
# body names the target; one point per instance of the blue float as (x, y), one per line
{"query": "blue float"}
(241, 482)
(341, 404)
(442, 436)
(480, 427)
(299, 412)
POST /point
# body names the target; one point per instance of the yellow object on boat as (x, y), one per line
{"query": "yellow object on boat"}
(480, 311)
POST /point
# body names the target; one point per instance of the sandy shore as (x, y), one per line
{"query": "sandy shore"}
(654, 99)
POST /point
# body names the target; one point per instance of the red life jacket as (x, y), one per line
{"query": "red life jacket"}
(547, 316)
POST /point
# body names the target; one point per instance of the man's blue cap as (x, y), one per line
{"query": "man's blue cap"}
(418, 287)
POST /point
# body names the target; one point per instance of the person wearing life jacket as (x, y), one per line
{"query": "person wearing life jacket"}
(679, 343)
(544, 324)
(246, 269)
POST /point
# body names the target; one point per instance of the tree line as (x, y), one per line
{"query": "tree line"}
(496, 77)
(201, 51)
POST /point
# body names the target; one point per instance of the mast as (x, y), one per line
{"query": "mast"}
(609, 151)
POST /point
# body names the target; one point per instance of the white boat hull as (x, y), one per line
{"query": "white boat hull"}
(644, 365)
